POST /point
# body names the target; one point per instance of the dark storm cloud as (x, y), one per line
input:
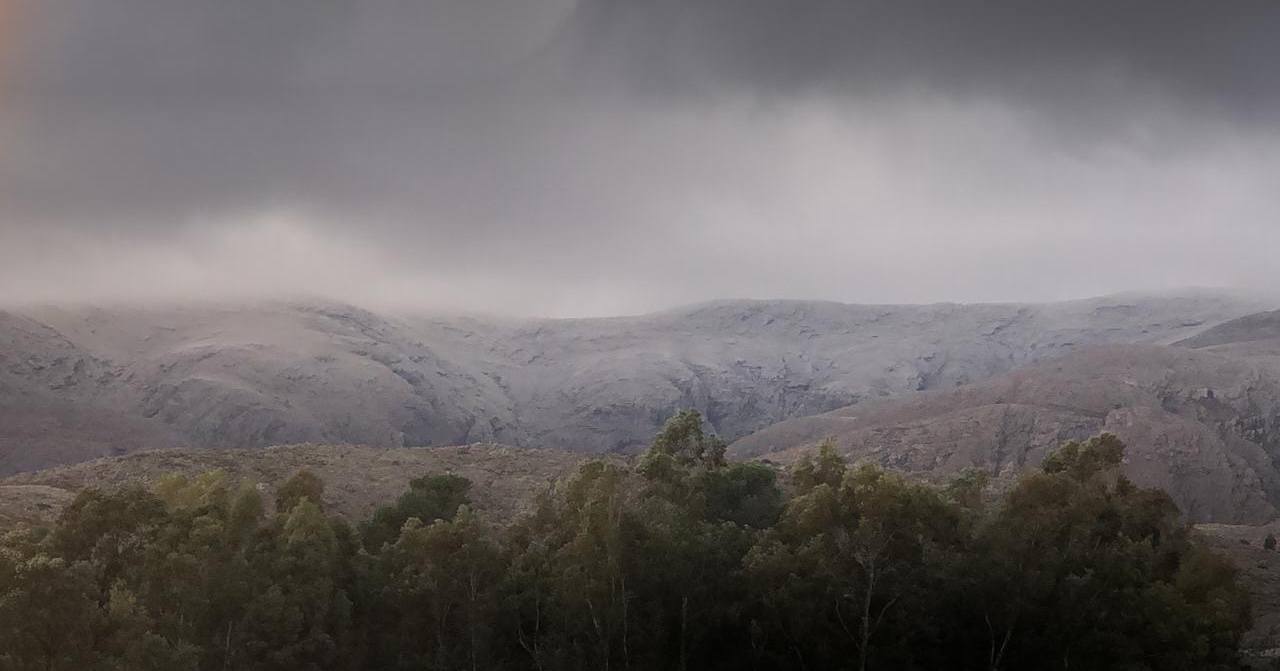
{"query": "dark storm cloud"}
(1217, 55)
(611, 155)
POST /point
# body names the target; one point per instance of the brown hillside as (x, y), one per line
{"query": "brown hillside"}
(357, 479)
(1201, 424)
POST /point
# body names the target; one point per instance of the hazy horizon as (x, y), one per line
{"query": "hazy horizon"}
(603, 157)
(409, 309)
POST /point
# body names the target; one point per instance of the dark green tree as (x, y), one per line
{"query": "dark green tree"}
(438, 595)
(683, 440)
(430, 498)
(49, 615)
(680, 561)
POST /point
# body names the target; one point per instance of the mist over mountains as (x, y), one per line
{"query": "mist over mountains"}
(82, 382)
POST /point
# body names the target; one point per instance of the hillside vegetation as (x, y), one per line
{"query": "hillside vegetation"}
(680, 561)
(357, 479)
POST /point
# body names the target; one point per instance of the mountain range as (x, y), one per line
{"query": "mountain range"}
(1190, 380)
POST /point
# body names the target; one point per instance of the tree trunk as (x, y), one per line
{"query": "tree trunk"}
(866, 616)
(626, 625)
(684, 626)
(226, 649)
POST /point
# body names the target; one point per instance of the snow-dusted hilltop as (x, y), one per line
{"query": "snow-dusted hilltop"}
(76, 383)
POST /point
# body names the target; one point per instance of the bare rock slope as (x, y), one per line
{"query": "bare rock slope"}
(1201, 419)
(79, 383)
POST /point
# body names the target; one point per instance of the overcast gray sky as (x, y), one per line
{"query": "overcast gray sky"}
(613, 156)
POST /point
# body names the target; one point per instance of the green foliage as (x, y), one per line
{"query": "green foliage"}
(48, 613)
(430, 498)
(1105, 572)
(968, 489)
(436, 590)
(744, 494)
(182, 492)
(866, 547)
(296, 613)
(1084, 460)
(303, 485)
(683, 441)
(683, 562)
(826, 468)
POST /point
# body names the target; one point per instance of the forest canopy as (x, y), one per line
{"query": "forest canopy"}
(680, 560)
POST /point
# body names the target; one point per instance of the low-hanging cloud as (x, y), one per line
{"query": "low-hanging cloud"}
(607, 156)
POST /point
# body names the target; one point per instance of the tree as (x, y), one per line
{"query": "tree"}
(826, 468)
(1082, 461)
(430, 498)
(299, 609)
(48, 613)
(439, 587)
(744, 494)
(682, 561)
(683, 440)
(131, 642)
(847, 566)
(109, 531)
(303, 485)
(1081, 567)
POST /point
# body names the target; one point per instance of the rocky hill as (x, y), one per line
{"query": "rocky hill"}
(83, 382)
(1243, 334)
(1201, 419)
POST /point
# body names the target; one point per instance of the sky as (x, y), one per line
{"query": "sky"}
(600, 157)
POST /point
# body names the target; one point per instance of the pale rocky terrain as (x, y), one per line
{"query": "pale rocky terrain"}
(1201, 420)
(78, 383)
